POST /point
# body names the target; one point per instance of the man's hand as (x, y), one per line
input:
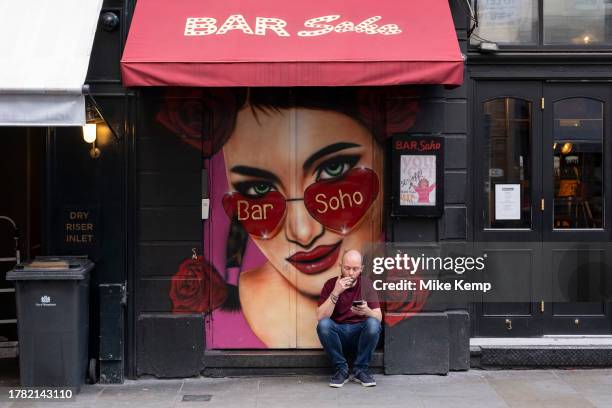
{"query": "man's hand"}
(362, 310)
(327, 308)
(342, 284)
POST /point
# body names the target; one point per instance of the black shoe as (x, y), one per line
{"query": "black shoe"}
(364, 378)
(339, 378)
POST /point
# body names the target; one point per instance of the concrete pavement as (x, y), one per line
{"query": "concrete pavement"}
(474, 388)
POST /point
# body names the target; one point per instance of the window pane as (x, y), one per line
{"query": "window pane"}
(507, 163)
(580, 22)
(507, 22)
(577, 163)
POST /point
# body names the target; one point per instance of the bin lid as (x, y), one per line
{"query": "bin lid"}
(52, 268)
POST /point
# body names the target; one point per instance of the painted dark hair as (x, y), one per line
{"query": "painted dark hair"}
(206, 117)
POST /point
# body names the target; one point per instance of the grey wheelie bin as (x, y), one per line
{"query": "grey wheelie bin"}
(53, 320)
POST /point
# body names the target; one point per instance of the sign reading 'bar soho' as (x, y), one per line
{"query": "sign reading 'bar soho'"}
(316, 26)
(220, 43)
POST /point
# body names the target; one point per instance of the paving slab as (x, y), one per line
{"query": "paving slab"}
(473, 389)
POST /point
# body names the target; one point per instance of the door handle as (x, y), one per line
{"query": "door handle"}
(508, 324)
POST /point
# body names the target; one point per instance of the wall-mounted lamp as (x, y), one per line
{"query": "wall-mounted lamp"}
(90, 130)
(93, 117)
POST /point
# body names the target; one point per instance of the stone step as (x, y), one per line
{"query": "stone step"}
(550, 351)
(273, 362)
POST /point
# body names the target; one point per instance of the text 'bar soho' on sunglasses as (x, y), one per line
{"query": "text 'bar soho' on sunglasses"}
(337, 204)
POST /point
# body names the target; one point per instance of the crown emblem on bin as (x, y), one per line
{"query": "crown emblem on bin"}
(45, 299)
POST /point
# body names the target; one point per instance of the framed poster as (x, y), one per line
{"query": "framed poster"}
(418, 176)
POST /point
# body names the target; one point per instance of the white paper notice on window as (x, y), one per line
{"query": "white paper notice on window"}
(507, 201)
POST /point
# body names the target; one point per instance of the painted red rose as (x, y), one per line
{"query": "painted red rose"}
(186, 113)
(400, 309)
(196, 287)
(388, 110)
(181, 113)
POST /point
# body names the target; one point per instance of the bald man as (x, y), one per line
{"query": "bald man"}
(344, 324)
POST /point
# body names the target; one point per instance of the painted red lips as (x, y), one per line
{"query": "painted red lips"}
(338, 204)
(320, 259)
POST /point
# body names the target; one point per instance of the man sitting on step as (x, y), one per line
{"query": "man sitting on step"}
(347, 321)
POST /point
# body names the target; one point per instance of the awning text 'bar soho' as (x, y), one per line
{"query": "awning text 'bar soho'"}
(291, 43)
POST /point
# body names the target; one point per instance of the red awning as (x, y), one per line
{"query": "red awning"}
(291, 43)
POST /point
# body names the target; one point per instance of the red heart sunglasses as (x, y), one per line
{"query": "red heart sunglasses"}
(337, 204)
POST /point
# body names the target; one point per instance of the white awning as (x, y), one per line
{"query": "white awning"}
(45, 47)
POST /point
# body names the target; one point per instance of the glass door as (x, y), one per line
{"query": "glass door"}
(576, 171)
(508, 223)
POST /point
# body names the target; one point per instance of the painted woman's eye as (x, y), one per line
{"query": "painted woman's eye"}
(336, 167)
(254, 188)
(261, 189)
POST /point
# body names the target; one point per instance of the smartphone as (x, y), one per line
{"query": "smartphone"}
(358, 303)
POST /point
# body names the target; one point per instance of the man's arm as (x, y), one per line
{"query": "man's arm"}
(377, 314)
(327, 308)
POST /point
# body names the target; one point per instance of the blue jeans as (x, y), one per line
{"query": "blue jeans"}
(337, 337)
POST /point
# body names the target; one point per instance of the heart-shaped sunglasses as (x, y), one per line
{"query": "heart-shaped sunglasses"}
(338, 204)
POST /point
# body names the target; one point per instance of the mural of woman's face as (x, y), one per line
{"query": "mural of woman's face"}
(288, 150)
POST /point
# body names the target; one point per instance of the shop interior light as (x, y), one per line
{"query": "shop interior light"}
(567, 148)
(584, 39)
(487, 46)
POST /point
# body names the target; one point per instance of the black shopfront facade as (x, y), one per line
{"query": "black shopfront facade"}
(558, 92)
(146, 192)
(539, 116)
